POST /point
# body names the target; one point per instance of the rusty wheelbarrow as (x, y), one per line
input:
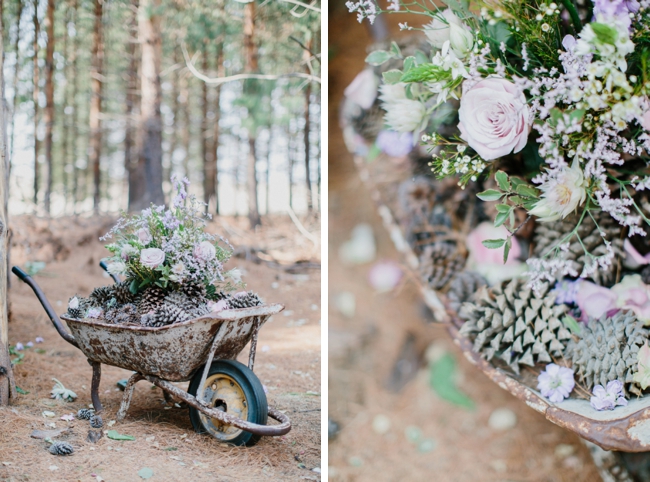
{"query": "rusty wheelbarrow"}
(225, 397)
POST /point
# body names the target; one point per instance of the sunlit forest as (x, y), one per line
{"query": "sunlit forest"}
(106, 99)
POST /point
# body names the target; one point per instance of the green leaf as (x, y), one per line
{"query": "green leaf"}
(442, 380)
(577, 115)
(392, 76)
(516, 181)
(133, 287)
(21, 391)
(395, 50)
(421, 58)
(528, 191)
(605, 33)
(114, 435)
(145, 473)
(500, 219)
(493, 243)
(506, 250)
(517, 200)
(502, 208)
(556, 115)
(378, 57)
(409, 63)
(423, 73)
(572, 324)
(502, 180)
(489, 195)
(373, 152)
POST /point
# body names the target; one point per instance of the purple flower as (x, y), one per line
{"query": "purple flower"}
(566, 291)
(608, 398)
(39, 339)
(29, 344)
(616, 10)
(395, 144)
(94, 312)
(556, 382)
(19, 346)
(170, 222)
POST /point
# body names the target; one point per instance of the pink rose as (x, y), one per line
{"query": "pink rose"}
(152, 257)
(595, 301)
(205, 251)
(363, 89)
(144, 236)
(494, 118)
(633, 294)
(489, 262)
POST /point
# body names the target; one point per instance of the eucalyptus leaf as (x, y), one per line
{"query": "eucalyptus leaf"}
(378, 57)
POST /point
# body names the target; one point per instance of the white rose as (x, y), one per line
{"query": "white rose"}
(152, 257)
(438, 31)
(144, 236)
(116, 267)
(205, 251)
(73, 304)
(494, 118)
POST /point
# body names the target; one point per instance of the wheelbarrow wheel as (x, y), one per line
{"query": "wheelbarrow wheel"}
(234, 388)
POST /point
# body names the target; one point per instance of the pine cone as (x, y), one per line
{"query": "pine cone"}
(247, 300)
(122, 293)
(111, 315)
(101, 295)
(151, 299)
(168, 314)
(194, 290)
(439, 262)
(548, 235)
(218, 296)
(148, 319)
(607, 350)
(515, 324)
(127, 314)
(96, 421)
(462, 287)
(76, 313)
(85, 413)
(61, 448)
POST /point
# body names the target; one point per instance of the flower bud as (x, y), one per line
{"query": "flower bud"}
(460, 39)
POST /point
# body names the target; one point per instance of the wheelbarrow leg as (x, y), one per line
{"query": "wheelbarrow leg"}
(94, 388)
(128, 394)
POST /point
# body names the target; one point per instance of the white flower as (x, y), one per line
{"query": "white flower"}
(392, 92)
(129, 251)
(144, 236)
(205, 251)
(94, 312)
(460, 39)
(178, 269)
(152, 257)
(116, 267)
(234, 274)
(437, 31)
(73, 304)
(405, 115)
(363, 89)
(494, 118)
(562, 195)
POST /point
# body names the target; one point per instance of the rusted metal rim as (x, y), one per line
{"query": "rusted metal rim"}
(225, 315)
(265, 430)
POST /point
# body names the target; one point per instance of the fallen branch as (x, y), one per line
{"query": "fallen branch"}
(300, 227)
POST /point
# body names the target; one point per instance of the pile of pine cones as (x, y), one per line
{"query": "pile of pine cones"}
(155, 306)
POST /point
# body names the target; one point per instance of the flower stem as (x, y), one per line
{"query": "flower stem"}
(573, 12)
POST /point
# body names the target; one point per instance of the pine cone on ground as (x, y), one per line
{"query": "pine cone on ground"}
(151, 299)
(101, 295)
(61, 448)
(515, 324)
(96, 421)
(85, 413)
(548, 235)
(607, 350)
(248, 300)
(439, 262)
(194, 290)
(167, 314)
(462, 287)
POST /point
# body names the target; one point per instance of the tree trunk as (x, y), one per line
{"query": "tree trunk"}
(251, 66)
(185, 133)
(136, 184)
(291, 158)
(7, 388)
(150, 128)
(95, 147)
(206, 153)
(35, 95)
(173, 142)
(307, 55)
(19, 14)
(75, 115)
(49, 101)
(268, 170)
(66, 166)
(212, 169)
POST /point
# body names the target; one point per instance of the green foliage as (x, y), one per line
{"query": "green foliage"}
(442, 374)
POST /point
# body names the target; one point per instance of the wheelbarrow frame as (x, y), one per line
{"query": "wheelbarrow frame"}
(227, 318)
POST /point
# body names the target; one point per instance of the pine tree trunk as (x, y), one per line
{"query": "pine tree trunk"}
(173, 142)
(251, 66)
(307, 131)
(35, 95)
(291, 157)
(95, 147)
(206, 153)
(7, 389)
(185, 133)
(150, 128)
(75, 115)
(268, 170)
(65, 148)
(19, 14)
(49, 101)
(137, 185)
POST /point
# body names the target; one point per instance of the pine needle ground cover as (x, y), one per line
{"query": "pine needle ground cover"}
(526, 133)
(164, 438)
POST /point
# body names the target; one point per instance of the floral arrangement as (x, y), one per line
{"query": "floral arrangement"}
(539, 112)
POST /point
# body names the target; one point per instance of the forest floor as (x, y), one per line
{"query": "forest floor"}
(288, 364)
(393, 426)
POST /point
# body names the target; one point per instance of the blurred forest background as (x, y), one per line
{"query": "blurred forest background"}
(107, 98)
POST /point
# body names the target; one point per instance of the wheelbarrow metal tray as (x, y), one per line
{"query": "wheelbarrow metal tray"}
(172, 352)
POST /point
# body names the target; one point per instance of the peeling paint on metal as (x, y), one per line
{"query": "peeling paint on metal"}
(641, 432)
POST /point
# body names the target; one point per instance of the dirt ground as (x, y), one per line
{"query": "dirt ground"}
(393, 427)
(288, 364)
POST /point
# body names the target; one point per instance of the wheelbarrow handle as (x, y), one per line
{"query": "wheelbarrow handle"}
(104, 266)
(46, 305)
